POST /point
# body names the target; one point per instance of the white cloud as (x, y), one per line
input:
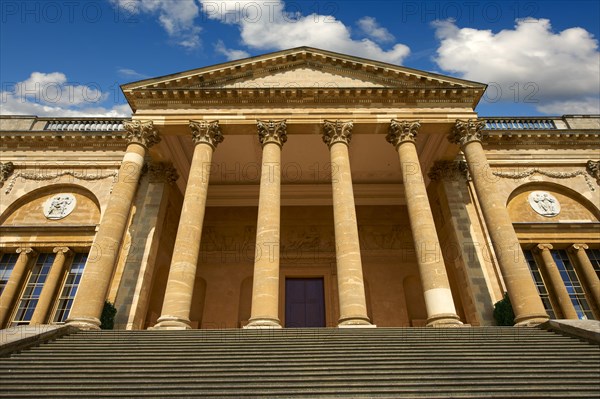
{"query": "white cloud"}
(177, 17)
(588, 105)
(50, 94)
(267, 26)
(370, 27)
(556, 72)
(231, 54)
(128, 73)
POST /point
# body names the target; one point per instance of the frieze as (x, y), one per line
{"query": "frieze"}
(547, 173)
(40, 176)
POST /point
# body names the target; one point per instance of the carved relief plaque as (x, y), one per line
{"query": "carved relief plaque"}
(544, 203)
(59, 206)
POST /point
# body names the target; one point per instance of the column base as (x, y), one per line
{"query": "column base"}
(263, 322)
(171, 323)
(355, 322)
(531, 320)
(444, 320)
(84, 323)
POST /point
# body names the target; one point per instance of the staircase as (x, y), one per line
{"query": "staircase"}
(307, 363)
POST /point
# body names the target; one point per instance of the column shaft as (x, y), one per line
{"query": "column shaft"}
(51, 287)
(14, 284)
(265, 287)
(586, 272)
(436, 287)
(182, 274)
(95, 282)
(351, 286)
(558, 286)
(526, 302)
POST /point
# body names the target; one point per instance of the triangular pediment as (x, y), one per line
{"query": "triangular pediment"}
(296, 69)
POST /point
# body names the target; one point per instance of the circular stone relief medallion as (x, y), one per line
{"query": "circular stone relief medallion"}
(544, 203)
(59, 206)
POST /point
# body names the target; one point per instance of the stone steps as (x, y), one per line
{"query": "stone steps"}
(307, 363)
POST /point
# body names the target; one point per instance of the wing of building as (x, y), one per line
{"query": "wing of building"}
(301, 188)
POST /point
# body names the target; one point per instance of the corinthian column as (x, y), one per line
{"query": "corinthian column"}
(14, 283)
(98, 271)
(51, 286)
(587, 273)
(265, 288)
(351, 286)
(182, 274)
(556, 282)
(526, 302)
(436, 287)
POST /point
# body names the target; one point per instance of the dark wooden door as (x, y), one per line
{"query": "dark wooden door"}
(304, 302)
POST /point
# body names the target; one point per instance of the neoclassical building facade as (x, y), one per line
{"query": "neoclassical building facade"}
(301, 188)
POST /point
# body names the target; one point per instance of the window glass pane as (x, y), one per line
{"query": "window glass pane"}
(539, 283)
(7, 264)
(574, 288)
(32, 291)
(594, 255)
(70, 288)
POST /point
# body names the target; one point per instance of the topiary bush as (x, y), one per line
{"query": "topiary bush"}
(503, 312)
(107, 319)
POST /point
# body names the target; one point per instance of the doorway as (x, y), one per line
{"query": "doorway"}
(304, 302)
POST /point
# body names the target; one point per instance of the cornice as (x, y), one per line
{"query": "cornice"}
(63, 139)
(541, 137)
(214, 97)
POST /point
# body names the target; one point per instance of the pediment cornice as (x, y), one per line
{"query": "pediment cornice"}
(338, 76)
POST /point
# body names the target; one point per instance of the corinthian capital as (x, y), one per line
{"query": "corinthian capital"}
(141, 132)
(593, 168)
(337, 132)
(207, 132)
(466, 131)
(272, 132)
(161, 172)
(401, 131)
(6, 169)
(448, 170)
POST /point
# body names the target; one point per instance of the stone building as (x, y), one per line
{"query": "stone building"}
(299, 188)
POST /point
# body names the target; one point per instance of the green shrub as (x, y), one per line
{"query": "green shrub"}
(107, 319)
(503, 312)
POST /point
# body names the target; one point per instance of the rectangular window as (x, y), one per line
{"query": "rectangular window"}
(539, 283)
(33, 289)
(594, 255)
(70, 288)
(574, 288)
(7, 264)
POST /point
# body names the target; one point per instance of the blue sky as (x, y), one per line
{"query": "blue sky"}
(68, 58)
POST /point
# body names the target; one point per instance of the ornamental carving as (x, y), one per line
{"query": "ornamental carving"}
(160, 172)
(52, 176)
(449, 170)
(272, 132)
(401, 131)
(207, 132)
(337, 132)
(548, 173)
(593, 168)
(544, 203)
(141, 132)
(6, 169)
(466, 131)
(59, 206)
